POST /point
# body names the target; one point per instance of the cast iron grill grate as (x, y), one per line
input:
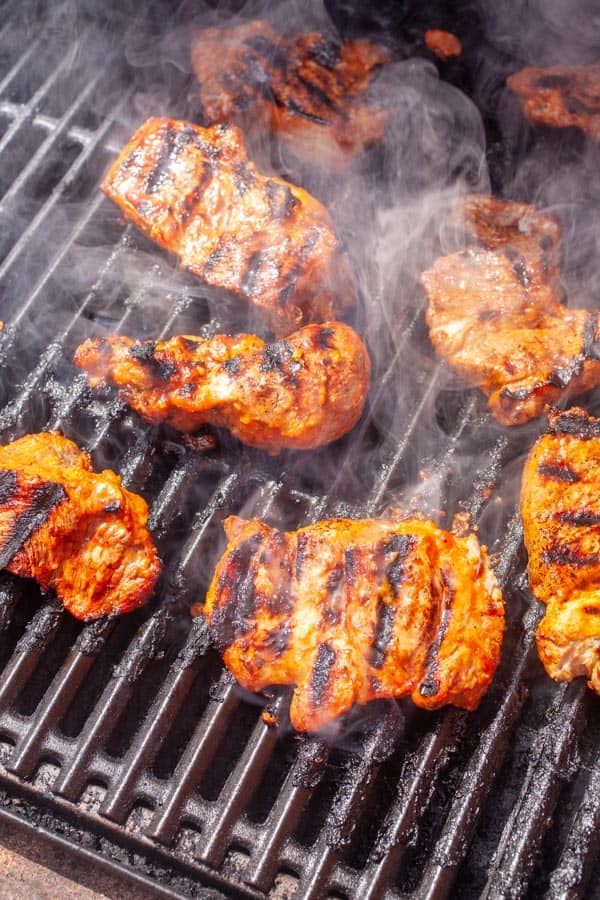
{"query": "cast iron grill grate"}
(127, 737)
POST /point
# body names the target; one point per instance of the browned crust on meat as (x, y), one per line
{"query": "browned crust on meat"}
(560, 96)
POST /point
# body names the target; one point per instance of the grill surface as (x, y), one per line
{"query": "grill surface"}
(127, 739)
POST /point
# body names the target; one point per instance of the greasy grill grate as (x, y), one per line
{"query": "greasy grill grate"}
(127, 738)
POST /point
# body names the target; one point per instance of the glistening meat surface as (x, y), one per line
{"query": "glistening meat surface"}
(194, 191)
(353, 610)
(301, 392)
(77, 532)
(495, 315)
(560, 505)
(308, 88)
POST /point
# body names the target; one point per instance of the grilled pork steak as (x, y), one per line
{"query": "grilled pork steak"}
(80, 533)
(300, 392)
(309, 89)
(194, 191)
(560, 96)
(353, 610)
(560, 505)
(495, 315)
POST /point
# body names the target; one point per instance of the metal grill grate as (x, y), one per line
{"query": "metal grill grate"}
(127, 737)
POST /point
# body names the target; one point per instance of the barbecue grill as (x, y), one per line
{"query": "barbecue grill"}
(126, 741)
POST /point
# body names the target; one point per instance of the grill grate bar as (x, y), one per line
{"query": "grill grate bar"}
(551, 757)
(41, 631)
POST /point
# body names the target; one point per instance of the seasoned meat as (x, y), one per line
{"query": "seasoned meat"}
(80, 533)
(269, 242)
(310, 90)
(494, 313)
(560, 505)
(443, 44)
(301, 392)
(353, 610)
(560, 96)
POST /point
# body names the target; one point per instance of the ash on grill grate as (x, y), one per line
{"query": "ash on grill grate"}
(133, 734)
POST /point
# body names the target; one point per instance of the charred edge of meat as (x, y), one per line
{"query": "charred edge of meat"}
(296, 271)
(191, 201)
(249, 282)
(578, 519)
(45, 498)
(519, 266)
(384, 632)
(282, 202)
(560, 555)
(275, 356)
(324, 662)
(430, 684)
(575, 423)
(144, 354)
(237, 580)
(558, 472)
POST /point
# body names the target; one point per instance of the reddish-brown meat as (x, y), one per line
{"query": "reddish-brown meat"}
(353, 610)
(269, 242)
(560, 505)
(443, 44)
(494, 313)
(80, 533)
(301, 392)
(560, 96)
(310, 90)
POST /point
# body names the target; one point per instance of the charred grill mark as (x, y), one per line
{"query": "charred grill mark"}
(249, 283)
(281, 200)
(43, 500)
(552, 82)
(217, 256)
(315, 91)
(236, 585)
(579, 107)
(578, 519)
(296, 271)
(327, 54)
(558, 472)
(301, 545)
(592, 610)
(232, 366)
(560, 555)
(519, 266)
(335, 578)
(401, 545)
(162, 369)
(323, 338)
(265, 48)
(243, 178)
(577, 424)
(326, 657)
(384, 632)
(430, 684)
(275, 356)
(297, 110)
(8, 485)
(545, 243)
(169, 151)
(350, 565)
(191, 200)
(278, 640)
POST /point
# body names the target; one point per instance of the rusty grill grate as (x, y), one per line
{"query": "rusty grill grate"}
(127, 739)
